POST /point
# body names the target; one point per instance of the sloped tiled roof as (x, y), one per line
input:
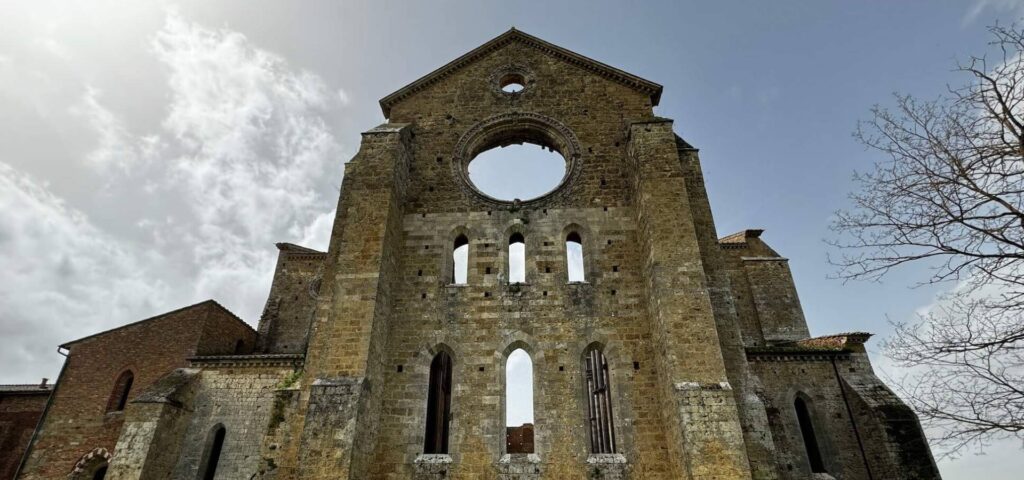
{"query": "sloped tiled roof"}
(25, 388)
(156, 317)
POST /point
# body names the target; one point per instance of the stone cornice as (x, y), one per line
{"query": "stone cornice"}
(772, 354)
(259, 360)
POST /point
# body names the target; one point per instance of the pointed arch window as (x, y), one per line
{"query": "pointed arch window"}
(574, 257)
(517, 258)
(460, 261)
(439, 404)
(803, 416)
(519, 402)
(597, 378)
(119, 396)
(211, 455)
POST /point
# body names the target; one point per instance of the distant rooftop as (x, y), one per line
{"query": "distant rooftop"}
(27, 388)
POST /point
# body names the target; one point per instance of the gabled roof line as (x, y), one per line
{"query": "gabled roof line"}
(159, 316)
(587, 63)
(293, 248)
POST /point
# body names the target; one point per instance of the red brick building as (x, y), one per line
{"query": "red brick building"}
(21, 406)
(106, 370)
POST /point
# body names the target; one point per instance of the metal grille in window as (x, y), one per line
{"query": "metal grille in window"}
(599, 403)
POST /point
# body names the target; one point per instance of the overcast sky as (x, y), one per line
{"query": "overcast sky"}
(152, 153)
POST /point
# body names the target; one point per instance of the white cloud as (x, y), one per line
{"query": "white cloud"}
(240, 160)
(317, 235)
(1014, 7)
(116, 148)
(63, 277)
(251, 152)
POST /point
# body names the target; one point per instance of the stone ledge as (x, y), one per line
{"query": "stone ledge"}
(433, 458)
(764, 259)
(681, 386)
(606, 458)
(261, 360)
(519, 458)
(797, 356)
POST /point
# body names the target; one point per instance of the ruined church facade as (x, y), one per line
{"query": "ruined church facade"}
(679, 355)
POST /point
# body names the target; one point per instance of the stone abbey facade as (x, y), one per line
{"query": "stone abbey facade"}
(681, 355)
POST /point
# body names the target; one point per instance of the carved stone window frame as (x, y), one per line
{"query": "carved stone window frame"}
(516, 128)
(518, 73)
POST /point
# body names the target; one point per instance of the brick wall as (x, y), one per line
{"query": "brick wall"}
(21, 406)
(78, 421)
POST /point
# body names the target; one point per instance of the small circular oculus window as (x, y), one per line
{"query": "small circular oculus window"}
(513, 82)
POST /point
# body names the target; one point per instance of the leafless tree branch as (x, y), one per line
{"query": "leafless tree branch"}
(950, 194)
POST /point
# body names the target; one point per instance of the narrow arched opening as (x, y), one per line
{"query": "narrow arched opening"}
(574, 257)
(519, 424)
(439, 404)
(119, 395)
(597, 381)
(811, 446)
(212, 452)
(460, 261)
(517, 258)
(100, 474)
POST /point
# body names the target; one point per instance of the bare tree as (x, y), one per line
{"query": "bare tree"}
(950, 195)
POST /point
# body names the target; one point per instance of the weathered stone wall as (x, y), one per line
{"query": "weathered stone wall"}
(756, 432)
(893, 440)
(482, 322)
(485, 320)
(344, 364)
(154, 429)
(782, 378)
(698, 333)
(764, 293)
(693, 371)
(21, 406)
(291, 304)
(242, 399)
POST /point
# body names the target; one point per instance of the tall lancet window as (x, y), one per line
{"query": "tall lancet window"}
(517, 258)
(519, 402)
(803, 416)
(439, 404)
(119, 396)
(211, 455)
(460, 261)
(574, 257)
(599, 403)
